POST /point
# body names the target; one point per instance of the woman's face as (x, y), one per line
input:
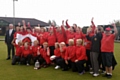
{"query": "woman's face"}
(45, 46)
(107, 32)
(56, 46)
(78, 43)
(17, 28)
(42, 30)
(35, 43)
(70, 43)
(77, 30)
(21, 29)
(28, 30)
(71, 30)
(26, 45)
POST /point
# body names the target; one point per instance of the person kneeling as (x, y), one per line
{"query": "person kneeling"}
(26, 54)
(80, 56)
(45, 53)
(55, 58)
(18, 48)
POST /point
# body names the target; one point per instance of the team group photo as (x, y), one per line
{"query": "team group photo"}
(60, 48)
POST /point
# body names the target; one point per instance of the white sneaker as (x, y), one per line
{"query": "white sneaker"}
(27, 64)
(95, 74)
(91, 72)
(57, 67)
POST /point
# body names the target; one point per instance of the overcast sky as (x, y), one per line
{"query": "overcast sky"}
(77, 11)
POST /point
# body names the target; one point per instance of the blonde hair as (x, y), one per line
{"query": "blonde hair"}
(45, 43)
(89, 29)
(36, 41)
(37, 27)
(71, 41)
(62, 43)
(80, 41)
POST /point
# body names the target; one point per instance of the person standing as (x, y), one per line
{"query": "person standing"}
(107, 49)
(95, 50)
(8, 39)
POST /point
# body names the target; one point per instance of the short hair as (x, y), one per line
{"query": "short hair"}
(71, 41)
(20, 42)
(36, 41)
(10, 24)
(45, 43)
(62, 43)
(57, 44)
(80, 40)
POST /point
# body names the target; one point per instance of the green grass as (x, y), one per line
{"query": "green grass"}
(23, 72)
(2, 37)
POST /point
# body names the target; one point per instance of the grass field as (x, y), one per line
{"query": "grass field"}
(23, 72)
(2, 37)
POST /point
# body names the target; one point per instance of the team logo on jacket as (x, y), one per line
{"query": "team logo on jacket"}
(95, 39)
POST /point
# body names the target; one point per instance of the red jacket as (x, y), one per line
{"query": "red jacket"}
(45, 55)
(70, 53)
(18, 50)
(57, 52)
(69, 35)
(79, 36)
(63, 52)
(26, 52)
(51, 39)
(80, 53)
(60, 37)
(34, 50)
(42, 38)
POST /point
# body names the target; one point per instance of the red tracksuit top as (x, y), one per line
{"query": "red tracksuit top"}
(18, 51)
(45, 56)
(70, 53)
(42, 37)
(60, 35)
(80, 53)
(34, 50)
(70, 35)
(63, 52)
(78, 36)
(26, 52)
(51, 39)
(57, 52)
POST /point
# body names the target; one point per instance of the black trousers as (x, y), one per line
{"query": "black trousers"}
(73, 66)
(56, 60)
(80, 65)
(9, 48)
(88, 63)
(25, 60)
(52, 48)
(39, 58)
(15, 59)
(63, 65)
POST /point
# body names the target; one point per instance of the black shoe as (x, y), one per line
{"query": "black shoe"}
(109, 76)
(8, 58)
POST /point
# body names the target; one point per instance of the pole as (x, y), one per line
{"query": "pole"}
(14, 12)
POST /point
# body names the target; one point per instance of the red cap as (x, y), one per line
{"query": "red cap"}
(108, 29)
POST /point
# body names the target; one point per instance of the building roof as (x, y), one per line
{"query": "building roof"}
(33, 22)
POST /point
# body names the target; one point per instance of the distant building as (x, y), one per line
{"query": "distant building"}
(5, 21)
